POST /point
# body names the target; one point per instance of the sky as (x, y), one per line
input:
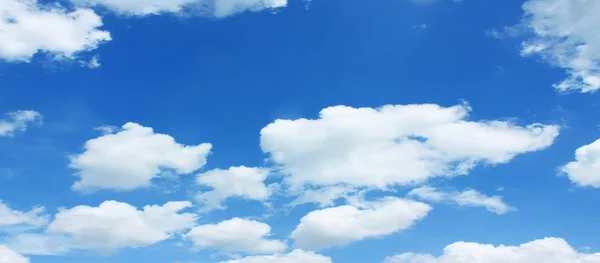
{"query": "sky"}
(294, 131)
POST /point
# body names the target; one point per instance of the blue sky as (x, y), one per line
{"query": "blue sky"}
(257, 131)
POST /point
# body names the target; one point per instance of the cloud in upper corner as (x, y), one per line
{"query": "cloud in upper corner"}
(217, 8)
(18, 121)
(132, 157)
(468, 198)
(28, 28)
(585, 170)
(565, 35)
(548, 250)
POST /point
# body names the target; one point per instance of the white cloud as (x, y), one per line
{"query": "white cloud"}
(566, 35)
(585, 170)
(132, 157)
(27, 27)
(218, 8)
(18, 120)
(225, 8)
(235, 235)
(139, 7)
(36, 217)
(412, 143)
(243, 182)
(114, 225)
(296, 256)
(341, 225)
(471, 198)
(9, 256)
(548, 250)
(41, 244)
(324, 196)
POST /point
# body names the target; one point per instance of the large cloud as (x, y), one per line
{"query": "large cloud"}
(242, 182)
(296, 256)
(585, 170)
(27, 28)
(566, 35)
(36, 217)
(114, 225)
(218, 8)
(548, 250)
(235, 235)
(394, 144)
(341, 225)
(18, 120)
(470, 198)
(9, 256)
(132, 157)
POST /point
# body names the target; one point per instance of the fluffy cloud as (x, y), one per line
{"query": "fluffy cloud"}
(132, 157)
(296, 256)
(9, 217)
(18, 120)
(585, 170)
(549, 250)
(114, 225)
(412, 143)
(219, 8)
(470, 198)
(566, 35)
(235, 235)
(28, 27)
(341, 225)
(243, 182)
(9, 256)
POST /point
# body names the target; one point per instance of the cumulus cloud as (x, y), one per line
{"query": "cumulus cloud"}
(218, 8)
(324, 196)
(566, 34)
(36, 217)
(114, 225)
(470, 198)
(18, 121)
(243, 182)
(548, 250)
(341, 225)
(9, 256)
(296, 256)
(235, 235)
(585, 170)
(132, 157)
(28, 27)
(412, 143)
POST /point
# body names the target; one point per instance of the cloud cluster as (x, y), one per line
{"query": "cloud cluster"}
(548, 250)
(411, 144)
(132, 157)
(470, 198)
(18, 121)
(28, 27)
(566, 35)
